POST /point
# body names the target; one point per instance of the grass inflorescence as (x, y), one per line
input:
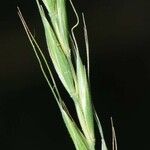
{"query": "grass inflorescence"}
(63, 48)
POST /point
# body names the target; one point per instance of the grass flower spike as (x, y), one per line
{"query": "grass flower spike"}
(73, 76)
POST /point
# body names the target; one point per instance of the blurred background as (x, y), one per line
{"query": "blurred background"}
(119, 37)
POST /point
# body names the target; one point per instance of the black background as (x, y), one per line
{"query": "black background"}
(120, 76)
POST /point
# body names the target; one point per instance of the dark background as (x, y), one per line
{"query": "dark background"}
(120, 76)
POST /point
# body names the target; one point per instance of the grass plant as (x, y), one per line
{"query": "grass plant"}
(63, 49)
